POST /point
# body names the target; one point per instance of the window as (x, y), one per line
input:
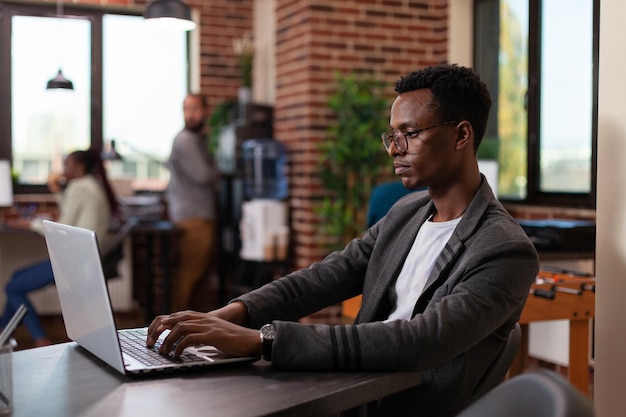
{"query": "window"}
(48, 123)
(129, 83)
(537, 56)
(143, 96)
(566, 96)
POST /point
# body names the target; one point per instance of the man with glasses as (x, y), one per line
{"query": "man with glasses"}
(444, 275)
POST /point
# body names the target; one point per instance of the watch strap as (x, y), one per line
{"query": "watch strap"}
(267, 340)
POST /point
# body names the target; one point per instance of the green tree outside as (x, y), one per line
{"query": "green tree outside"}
(512, 114)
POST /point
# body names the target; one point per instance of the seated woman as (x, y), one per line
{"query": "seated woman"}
(85, 199)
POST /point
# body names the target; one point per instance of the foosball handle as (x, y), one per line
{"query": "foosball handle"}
(549, 294)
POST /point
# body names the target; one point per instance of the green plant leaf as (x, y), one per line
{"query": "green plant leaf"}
(222, 115)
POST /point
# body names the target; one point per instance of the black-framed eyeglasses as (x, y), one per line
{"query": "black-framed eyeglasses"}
(396, 136)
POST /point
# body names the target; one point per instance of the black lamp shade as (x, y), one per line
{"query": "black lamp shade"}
(60, 82)
(174, 11)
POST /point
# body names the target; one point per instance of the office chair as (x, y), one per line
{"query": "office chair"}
(539, 393)
(382, 197)
(113, 251)
(498, 369)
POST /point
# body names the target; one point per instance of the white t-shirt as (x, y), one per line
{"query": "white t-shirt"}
(428, 244)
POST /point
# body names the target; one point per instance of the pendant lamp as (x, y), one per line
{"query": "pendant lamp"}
(173, 14)
(59, 81)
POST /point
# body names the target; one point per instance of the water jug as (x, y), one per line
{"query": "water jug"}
(264, 164)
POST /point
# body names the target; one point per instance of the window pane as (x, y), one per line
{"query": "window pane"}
(48, 124)
(145, 82)
(512, 88)
(566, 96)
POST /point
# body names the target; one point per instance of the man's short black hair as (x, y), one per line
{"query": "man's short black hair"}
(458, 94)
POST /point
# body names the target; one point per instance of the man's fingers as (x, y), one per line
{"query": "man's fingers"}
(154, 330)
(187, 333)
(164, 322)
(188, 340)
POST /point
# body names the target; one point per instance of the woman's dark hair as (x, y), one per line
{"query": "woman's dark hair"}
(458, 94)
(92, 162)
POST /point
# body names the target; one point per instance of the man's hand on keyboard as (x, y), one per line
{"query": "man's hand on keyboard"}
(192, 328)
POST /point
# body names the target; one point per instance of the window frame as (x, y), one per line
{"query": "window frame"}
(534, 195)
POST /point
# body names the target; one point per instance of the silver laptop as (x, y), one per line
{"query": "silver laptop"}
(88, 314)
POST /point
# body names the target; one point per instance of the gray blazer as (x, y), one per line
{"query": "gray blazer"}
(472, 299)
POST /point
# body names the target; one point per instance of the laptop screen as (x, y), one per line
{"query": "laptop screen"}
(82, 289)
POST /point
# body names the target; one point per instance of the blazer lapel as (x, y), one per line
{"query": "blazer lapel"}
(452, 249)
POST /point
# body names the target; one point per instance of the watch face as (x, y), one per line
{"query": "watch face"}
(268, 332)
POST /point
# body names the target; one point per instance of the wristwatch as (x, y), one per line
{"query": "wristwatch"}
(267, 333)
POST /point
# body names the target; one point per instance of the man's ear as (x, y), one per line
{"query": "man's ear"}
(465, 135)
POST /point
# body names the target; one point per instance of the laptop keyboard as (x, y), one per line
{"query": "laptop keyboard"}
(133, 343)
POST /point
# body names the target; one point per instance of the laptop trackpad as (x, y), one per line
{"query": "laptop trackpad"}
(209, 353)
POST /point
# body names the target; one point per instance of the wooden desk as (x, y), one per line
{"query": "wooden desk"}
(65, 380)
(578, 308)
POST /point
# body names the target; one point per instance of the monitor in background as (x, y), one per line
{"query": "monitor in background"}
(6, 184)
(489, 168)
(6, 188)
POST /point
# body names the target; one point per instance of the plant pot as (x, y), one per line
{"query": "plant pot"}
(244, 95)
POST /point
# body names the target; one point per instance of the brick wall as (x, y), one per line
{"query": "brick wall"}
(315, 38)
(221, 22)
(520, 211)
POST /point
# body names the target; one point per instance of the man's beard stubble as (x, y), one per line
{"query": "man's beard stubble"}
(195, 128)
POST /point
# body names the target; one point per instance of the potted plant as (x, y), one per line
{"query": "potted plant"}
(244, 49)
(352, 157)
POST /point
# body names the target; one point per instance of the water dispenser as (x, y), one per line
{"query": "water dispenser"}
(264, 165)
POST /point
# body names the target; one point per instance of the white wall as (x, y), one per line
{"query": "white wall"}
(264, 76)
(610, 337)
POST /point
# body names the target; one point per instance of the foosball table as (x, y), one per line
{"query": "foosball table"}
(557, 295)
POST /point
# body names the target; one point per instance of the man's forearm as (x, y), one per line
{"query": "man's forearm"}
(235, 312)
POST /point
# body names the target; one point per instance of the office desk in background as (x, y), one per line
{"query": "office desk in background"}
(155, 261)
(65, 380)
(19, 248)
